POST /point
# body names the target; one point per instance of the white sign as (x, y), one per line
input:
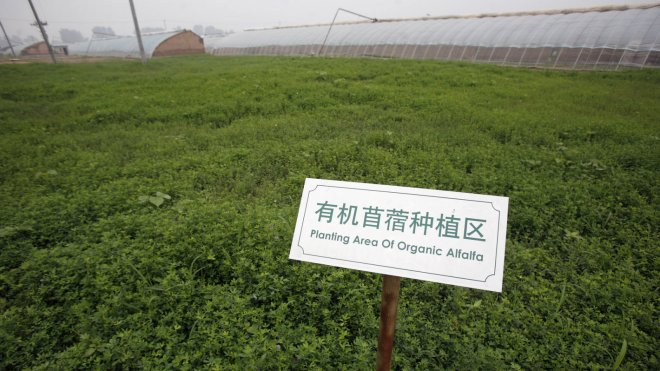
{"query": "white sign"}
(447, 237)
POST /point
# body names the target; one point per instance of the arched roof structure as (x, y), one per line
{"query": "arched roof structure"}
(604, 37)
(160, 44)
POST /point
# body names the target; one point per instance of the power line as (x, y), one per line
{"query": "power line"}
(17, 19)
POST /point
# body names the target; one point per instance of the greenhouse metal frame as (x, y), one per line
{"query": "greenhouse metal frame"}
(604, 38)
(155, 45)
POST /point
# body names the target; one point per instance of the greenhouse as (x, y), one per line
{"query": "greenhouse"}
(603, 38)
(40, 48)
(6, 49)
(155, 45)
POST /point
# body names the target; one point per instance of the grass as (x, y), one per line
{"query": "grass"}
(148, 210)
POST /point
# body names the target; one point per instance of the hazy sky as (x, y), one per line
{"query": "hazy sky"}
(236, 15)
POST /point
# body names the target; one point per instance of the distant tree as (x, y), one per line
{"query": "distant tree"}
(151, 29)
(70, 36)
(15, 43)
(211, 30)
(198, 29)
(29, 39)
(100, 31)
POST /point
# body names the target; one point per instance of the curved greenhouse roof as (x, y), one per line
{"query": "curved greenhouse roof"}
(155, 45)
(607, 38)
(5, 48)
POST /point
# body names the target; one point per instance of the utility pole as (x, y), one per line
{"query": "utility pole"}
(8, 41)
(137, 33)
(43, 32)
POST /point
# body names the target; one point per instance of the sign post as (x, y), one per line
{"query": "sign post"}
(388, 306)
(431, 235)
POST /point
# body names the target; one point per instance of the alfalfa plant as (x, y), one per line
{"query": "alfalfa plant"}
(157, 199)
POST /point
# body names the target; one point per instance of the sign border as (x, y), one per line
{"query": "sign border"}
(407, 194)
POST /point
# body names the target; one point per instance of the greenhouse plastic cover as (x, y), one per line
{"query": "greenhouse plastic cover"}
(633, 29)
(6, 50)
(126, 46)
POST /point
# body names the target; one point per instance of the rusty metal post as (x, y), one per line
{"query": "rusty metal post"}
(388, 306)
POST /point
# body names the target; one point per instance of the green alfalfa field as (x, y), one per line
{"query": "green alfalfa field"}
(148, 210)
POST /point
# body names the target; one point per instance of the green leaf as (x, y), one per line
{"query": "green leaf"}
(156, 201)
(163, 195)
(7, 231)
(90, 352)
(622, 354)
(10, 231)
(143, 199)
(563, 296)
